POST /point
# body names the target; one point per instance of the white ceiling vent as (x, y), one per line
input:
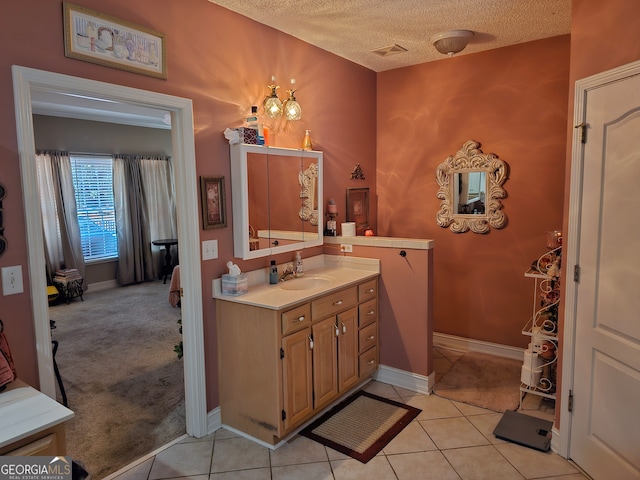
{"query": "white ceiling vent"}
(390, 50)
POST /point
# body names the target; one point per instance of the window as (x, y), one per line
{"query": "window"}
(93, 184)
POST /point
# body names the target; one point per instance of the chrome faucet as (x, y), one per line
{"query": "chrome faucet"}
(288, 273)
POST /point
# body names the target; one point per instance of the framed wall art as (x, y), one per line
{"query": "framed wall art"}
(213, 203)
(99, 38)
(358, 208)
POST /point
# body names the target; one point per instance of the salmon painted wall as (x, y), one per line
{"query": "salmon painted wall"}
(223, 62)
(513, 101)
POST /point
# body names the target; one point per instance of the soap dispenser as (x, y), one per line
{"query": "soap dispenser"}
(299, 269)
(273, 273)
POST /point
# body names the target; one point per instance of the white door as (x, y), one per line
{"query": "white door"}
(605, 428)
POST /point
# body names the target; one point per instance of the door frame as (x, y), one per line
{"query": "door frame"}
(572, 246)
(26, 80)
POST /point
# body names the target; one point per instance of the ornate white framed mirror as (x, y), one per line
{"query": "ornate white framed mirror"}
(471, 189)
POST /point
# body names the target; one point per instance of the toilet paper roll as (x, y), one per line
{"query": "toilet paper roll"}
(349, 229)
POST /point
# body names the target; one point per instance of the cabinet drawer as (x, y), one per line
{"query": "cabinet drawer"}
(368, 362)
(367, 337)
(295, 319)
(334, 303)
(367, 312)
(368, 290)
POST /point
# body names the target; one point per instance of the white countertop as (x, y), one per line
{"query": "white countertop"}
(25, 411)
(339, 270)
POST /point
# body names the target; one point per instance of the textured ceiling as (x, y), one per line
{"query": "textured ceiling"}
(352, 29)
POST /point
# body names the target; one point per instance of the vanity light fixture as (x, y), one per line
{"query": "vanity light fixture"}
(274, 108)
(451, 42)
(292, 108)
(272, 104)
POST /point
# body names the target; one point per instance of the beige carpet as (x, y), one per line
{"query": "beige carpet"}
(122, 378)
(482, 380)
(361, 425)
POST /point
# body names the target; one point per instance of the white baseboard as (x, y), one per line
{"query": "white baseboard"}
(462, 344)
(98, 286)
(407, 380)
(214, 420)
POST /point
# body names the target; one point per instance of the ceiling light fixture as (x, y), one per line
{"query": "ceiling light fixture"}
(451, 42)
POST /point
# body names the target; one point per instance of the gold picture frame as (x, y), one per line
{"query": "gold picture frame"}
(99, 38)
(212, 195)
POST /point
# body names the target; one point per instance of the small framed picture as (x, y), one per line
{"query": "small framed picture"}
(99, 38)
(358, 208)
(213, 202)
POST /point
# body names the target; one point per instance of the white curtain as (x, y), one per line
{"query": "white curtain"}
(63, 245)
(145, 211)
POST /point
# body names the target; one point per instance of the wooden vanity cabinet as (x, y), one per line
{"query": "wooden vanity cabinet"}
(277, 368)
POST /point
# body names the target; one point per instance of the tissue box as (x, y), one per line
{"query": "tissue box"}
(248, 135)
(235, 284)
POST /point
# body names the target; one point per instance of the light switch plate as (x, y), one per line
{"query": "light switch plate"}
(209, 249)
(12, 280)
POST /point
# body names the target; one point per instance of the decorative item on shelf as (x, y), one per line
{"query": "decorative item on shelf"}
(291, 107)
(357, 173)
(554, 239)
(272, 104)
(332, 213)
(369, 232)
(451, 42)
(306, 142)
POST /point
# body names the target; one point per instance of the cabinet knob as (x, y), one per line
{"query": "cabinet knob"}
(371, 362)
(300, 318)
(369, 290)
(372, 337)
(337, 331)
(310, 343)
(371, 312)
(344, 328)
(339, 302)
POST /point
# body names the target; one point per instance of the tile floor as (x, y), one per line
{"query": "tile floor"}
(448, 440)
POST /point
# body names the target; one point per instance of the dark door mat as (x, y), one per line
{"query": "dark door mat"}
(524, 430)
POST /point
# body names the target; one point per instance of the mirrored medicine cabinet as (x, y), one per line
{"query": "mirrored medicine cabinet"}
(277, 200)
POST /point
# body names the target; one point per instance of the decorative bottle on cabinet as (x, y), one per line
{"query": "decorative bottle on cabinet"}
(306, 143)
(538, 374)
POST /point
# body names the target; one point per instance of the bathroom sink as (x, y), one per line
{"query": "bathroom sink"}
(306, 282)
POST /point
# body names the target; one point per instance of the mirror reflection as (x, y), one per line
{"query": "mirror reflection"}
(283, 198)
(471, 188)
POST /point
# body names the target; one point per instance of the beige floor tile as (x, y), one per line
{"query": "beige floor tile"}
(433, 406)
(182, 460)
(422, 466)
(575, 476)
(468, 410)
(487, 424)
(335, 455)
(535, 464)
(139, 472)
(300, 450)
(441, 365)
(377, 468)
(238, 454)
(223, 433)
(308, 471)
(450, 354)
(436, 353)
(253, 474)
(412, 439)
(453, 433)
(383, 390)
(481, 463)
(405, 392)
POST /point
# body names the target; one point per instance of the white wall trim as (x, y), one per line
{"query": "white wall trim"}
(407, 380)
(462, 344)
(26, 80)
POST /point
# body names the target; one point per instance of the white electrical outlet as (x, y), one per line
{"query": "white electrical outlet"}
(12, 280)
(209, 249)
(346, 248)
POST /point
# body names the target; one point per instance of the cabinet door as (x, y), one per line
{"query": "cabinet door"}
(325, 357)
(296, 374)
(347, 323)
